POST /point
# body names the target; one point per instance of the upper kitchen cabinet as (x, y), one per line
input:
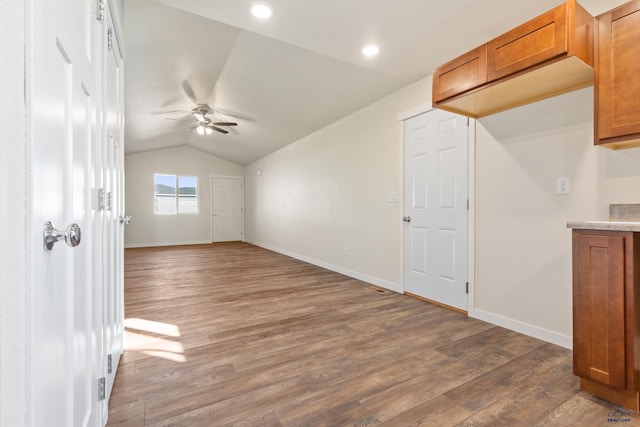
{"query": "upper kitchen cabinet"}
(617, 80)
(461, 74)
(546, 56)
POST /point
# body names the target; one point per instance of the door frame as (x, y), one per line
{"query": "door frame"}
(402, 117)
(211, 178)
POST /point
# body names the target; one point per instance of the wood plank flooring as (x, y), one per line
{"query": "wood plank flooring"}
(235, 335)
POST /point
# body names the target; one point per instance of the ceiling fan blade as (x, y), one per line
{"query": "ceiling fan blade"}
(218, 129)
(170, 111)
(178, 120)
(188, 90)
(224, 124)
(200, 116)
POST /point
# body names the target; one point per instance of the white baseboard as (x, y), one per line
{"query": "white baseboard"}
(356, 275)
(525, 328)
(158, 244)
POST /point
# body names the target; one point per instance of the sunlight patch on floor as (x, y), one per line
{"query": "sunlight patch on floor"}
(152, 326)
(154, 339)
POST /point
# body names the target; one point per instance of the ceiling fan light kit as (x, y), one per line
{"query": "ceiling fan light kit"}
(204, 130)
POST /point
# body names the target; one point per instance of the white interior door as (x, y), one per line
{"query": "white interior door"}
(226, 209)
(436, 181)
(64, 354)
(114, 210)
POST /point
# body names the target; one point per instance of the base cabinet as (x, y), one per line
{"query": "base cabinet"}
(606, 340)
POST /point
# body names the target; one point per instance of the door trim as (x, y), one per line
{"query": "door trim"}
(211, 178)
(402, 117)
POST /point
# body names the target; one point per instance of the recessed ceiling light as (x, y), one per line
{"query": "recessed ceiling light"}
(261, 9)
(370, 50)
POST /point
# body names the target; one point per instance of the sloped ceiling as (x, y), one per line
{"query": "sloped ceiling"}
(285, 78)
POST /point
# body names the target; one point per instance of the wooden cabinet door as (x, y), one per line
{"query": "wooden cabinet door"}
(599, 345)
(532, 43)
(617, 86)
(464, 73)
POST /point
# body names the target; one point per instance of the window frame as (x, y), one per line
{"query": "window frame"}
(176, 194)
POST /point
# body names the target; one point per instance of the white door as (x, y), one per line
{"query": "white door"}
(436, 176)
(63, 353)
(113, 257)
(226, 209)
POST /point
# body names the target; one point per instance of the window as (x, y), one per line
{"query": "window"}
(168, 201)
(188, 194)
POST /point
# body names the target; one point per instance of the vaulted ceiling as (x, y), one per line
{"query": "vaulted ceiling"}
(287, 77)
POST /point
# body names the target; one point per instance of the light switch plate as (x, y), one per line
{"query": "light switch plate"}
(392, 197)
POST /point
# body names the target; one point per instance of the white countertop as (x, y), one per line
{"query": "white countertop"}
(605, 225)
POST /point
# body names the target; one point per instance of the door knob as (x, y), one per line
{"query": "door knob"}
(50, 235)
(406, 218)
(125, 219)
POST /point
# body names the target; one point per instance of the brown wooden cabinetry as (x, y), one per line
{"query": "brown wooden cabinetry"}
(606, 340)
(540, 39)
(548, 55)
(617, 81)
(461, 74)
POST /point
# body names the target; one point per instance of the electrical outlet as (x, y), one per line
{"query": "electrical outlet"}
(563, 186)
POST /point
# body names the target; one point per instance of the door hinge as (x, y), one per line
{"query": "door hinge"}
(100, 12)
(109, 364)
(110, 39)
(467, 287)
(98, 199)
(467, 203)
(102, 389)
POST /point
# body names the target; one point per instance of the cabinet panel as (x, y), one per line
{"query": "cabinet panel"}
(599, 311)
(536, 41)
(461, 74)
(617, 87)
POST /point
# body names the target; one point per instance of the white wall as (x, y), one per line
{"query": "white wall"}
(148, 229)
(523, 248)
(328, 191)
(324, 198)
(13, 282)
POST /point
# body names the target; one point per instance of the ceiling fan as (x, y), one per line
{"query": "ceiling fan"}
(204, 125)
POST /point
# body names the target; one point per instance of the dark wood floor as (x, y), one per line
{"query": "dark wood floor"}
(234, 335)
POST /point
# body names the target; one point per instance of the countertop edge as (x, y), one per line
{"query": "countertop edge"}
(633, 226)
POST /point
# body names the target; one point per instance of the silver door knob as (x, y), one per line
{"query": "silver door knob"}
(50, 235)
(125, 219)
(406, 218)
